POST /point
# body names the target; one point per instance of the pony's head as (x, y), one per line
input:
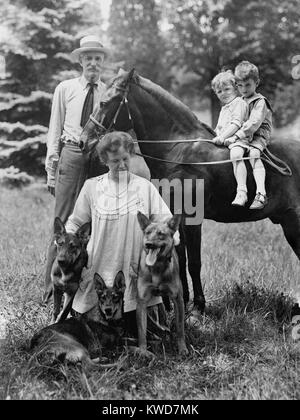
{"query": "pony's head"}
(113, 111)
(114, 106)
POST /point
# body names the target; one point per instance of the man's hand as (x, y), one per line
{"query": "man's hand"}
(51, 190)
(230, 140)
(218, 140)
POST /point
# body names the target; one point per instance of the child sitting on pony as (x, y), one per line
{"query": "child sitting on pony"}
(245, 124)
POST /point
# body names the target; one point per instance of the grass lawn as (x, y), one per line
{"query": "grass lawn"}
(240, 350)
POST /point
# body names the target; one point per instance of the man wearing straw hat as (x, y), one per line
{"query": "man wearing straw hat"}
(73, 102)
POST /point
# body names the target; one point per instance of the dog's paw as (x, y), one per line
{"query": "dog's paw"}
(142, 353)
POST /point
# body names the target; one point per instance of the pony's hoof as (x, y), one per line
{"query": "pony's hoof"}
(199, 304)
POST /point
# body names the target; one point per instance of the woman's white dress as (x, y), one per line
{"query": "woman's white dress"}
(116, 239)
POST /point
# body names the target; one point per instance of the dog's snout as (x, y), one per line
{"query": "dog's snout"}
(108, 311)
(62, 262)
(150, 245)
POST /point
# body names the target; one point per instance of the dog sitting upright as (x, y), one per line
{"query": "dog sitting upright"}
(67, 267)
(80, 339)
(159, 275)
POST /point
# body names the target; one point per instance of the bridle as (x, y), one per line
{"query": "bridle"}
(124, 101)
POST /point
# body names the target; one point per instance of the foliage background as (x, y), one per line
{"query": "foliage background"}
(241, 350)
(179, 45)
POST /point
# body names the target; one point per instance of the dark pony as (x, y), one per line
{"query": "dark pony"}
(131, 101)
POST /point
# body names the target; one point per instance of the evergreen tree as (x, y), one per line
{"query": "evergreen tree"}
(38, 36)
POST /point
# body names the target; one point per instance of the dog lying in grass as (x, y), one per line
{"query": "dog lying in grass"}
(67, 267)
(82, 339)
(159, 275)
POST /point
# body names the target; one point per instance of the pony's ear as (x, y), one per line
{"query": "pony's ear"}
(121, 71)
(131, 75)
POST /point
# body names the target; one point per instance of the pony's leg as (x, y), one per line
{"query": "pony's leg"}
(290, 224)
(180, 249)
(193, 244)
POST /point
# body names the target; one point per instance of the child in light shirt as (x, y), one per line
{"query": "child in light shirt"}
(233, 115)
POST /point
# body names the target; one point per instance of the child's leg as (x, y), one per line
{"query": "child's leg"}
(239, 168)
(259, 171)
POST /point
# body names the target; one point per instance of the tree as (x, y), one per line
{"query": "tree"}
(207, 35)
(36, 45)
(37, 36)
(135, 36)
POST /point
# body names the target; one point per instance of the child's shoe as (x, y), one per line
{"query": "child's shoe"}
(241, 199)
(259, 202)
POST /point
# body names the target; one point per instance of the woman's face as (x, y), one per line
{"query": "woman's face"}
(118, 161)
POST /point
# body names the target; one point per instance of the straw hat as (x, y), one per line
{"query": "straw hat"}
(89, 43)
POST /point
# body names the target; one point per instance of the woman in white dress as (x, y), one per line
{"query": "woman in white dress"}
(111, 202)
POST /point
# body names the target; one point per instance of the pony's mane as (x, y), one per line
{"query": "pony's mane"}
(181, 114)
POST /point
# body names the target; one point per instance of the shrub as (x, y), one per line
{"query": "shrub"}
(13, 178)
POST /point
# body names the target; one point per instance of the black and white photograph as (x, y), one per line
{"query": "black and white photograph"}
(149, 202)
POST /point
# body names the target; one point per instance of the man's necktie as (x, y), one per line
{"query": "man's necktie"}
(87, 109)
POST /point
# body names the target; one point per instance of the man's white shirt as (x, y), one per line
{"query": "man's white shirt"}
(68, 100)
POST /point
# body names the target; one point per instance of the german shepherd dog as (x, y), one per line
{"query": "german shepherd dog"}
(82, 339)
(159, 275)
(67, 267)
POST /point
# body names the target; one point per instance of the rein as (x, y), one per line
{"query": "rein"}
(284, 170)
(268, 157)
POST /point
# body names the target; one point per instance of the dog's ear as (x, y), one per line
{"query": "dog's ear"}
(99, 283)
(119, 282)
(59, 227)
(143, 220)
(174, 222)
(84, 232)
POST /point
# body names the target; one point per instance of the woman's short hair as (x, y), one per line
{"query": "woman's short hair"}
(246, 70)
(223, 78)
(111, 142)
